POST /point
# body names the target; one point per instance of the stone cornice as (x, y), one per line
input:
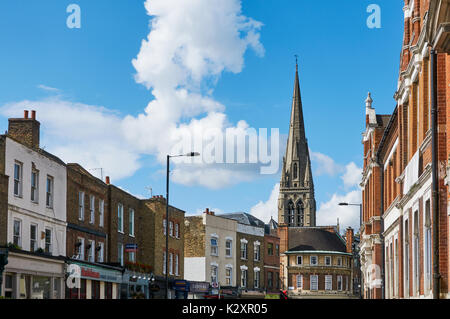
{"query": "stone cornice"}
(415, 187)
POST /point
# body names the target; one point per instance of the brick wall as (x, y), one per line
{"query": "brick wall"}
(79, 180)
(25, 130)
(194, 237)
(250, 262)
(157, 206)
(128, 201)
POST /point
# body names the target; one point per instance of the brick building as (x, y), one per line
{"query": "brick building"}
(250, 262)
(371, 245)
(210, 254)
(271, 257)
(87, 215)
(87, 236)
(157, 207)
(316, 262)
(401, 215)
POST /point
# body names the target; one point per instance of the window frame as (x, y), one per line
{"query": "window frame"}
(256, 252)
(101, 211)
(328, 280)
(230, 249)
(50, 243)
(256, 279)
(214, 248)
(244, 250)
(19, 236)
(120, 218)
(100, 253)
(131, 222)
(91, 209)
(316, 281)
(49, 191)
(34, 192)
(18, 180)
(81, 197)
(33, 241)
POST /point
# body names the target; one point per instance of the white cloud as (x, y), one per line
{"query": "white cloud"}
(48, 88)
(189, 45)
(86, 134)
(352, 175)
(330, 211)
(265, 210)
(324, 165)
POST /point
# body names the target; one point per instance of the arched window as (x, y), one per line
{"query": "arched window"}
(290, 213)
(300, 214)
(295, 170)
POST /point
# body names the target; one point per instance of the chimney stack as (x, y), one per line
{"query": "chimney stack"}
(25, 130)
(349, 239)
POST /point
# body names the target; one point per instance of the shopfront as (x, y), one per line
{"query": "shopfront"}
(135, 285)
(33, 276)
(92, 281)
(198, 289)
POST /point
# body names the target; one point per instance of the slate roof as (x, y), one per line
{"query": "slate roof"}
(271, 227)
(244, 218)
(313, 239)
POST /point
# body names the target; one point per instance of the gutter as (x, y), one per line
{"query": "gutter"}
(434, 175)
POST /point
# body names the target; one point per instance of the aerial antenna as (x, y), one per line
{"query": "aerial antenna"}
(96, 169)
(149, 189)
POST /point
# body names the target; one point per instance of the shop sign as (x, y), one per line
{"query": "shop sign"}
(199, 287)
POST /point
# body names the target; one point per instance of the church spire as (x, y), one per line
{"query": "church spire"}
(296, 188)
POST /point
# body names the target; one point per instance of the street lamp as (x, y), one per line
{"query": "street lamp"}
(360, 210)
(191, 154)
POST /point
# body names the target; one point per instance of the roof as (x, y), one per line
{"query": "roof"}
(80, 169)
(383, 119)
(244, 218)
(38, 150)
(315, 239)
(271, 227)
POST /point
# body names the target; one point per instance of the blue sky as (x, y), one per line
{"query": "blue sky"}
(44, 65)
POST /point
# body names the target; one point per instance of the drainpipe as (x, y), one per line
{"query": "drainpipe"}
(434, 176)
(382, 225)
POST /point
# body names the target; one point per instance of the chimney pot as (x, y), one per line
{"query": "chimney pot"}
(107, 180)
(25, 114)
(33, 114)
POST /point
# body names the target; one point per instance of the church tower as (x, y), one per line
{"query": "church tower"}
(296, 203)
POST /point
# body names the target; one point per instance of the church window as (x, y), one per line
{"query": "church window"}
(300, 214)
(295, 170)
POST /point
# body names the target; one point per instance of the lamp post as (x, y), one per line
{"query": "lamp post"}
(191, 154)
(360, 223)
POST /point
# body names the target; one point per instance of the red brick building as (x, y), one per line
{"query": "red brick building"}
(271, 257)
(405, 192)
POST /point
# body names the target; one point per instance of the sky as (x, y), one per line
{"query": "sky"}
(137, 77)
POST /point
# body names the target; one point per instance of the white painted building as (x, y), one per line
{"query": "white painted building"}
(216, 263)
(36, 199)
(36, 214)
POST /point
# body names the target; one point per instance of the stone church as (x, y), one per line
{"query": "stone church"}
(315, 261)
(296, 203)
